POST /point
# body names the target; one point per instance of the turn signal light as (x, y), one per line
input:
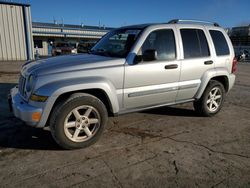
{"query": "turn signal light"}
(36, 116)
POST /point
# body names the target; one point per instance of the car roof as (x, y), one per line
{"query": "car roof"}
(171, 22)
(139, 26)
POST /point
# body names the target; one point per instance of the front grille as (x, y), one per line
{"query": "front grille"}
(21, 85)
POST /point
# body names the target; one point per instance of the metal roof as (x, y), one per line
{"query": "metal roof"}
(13, 3)
(69, 26)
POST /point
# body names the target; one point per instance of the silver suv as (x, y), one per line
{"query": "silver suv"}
(130, 69)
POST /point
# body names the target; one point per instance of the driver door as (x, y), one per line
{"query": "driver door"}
(153, 82)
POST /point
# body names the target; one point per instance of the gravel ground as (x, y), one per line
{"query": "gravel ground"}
(165, 147)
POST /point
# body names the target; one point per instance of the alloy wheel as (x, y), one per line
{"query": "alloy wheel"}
(82, 123)
(214, 99)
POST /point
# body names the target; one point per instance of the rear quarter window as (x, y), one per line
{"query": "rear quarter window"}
(220, 43)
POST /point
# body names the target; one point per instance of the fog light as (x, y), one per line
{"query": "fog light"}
(36, 116)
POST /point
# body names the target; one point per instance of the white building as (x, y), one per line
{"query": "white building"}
(45, 34)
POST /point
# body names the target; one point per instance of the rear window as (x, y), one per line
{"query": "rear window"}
(220, 43)
(194, 43)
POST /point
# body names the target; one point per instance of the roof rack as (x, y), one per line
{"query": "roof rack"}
(192, 21)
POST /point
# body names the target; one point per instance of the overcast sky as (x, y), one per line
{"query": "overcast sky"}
(117, 13)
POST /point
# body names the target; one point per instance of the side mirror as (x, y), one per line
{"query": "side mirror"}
(149, 55)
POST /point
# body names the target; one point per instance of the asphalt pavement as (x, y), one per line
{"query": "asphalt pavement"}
(165, 147)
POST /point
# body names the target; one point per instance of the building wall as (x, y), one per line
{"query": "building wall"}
(43, 48)
(76, 32)
(29, 37)
(42, 51)
(14, 33)
(240, 37)
(46, 32)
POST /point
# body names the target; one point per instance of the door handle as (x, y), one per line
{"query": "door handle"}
(208, 62)
(172, 66)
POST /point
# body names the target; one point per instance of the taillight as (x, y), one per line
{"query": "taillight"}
(234, 66)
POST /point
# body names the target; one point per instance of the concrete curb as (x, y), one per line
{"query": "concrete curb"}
(8, 72)
(11, 67)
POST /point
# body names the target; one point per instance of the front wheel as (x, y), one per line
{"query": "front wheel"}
(78, 122)
(212, 99)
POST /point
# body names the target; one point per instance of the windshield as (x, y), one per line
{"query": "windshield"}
(116, 43)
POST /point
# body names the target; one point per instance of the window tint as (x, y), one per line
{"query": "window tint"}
(220, 43)
(163, 41)
(203, 44)
(194, 43)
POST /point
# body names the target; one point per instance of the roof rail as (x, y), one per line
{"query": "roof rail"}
(192, 21)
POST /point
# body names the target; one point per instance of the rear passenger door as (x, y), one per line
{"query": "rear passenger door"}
(196, 59)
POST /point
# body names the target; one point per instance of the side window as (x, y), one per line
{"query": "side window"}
(203, 43)
(194, 43)
(220, 43)
(163, 41)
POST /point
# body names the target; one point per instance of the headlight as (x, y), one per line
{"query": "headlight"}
(30, 83)
(74, 51)
(38, 98)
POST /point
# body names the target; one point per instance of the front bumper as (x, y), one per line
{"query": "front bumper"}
(21, 109)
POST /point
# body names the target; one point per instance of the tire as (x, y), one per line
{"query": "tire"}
(79, 121)
(206, 106)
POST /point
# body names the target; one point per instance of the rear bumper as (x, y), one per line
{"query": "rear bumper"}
(21, 109)
(231, 81)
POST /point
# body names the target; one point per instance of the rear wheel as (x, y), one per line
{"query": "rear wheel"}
(212, 99)
(79, 121)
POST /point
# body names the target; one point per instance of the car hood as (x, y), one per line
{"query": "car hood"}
(69, 63)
